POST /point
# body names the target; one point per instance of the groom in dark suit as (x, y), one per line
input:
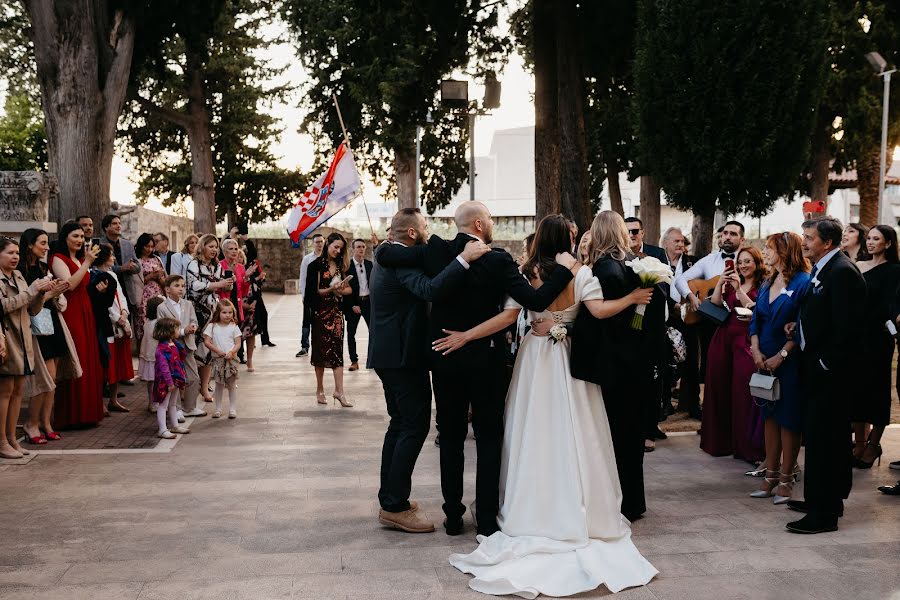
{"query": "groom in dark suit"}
(830, 342)
(398, 351)
(476, 373)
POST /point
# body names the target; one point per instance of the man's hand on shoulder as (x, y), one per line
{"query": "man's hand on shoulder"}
(474, 250)
(565, 259)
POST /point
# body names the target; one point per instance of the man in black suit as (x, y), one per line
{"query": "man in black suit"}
(398, 351)
(673, 244)
(830, 312)
(356, 305)
(638, 247)
(476, 373)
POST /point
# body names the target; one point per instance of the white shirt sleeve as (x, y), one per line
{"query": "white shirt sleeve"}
(698, 271)
(304, 265)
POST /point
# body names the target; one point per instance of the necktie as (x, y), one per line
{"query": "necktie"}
(728, 255)
(812, 274)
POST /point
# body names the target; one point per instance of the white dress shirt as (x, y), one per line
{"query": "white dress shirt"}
(361, 277)
(815, 283)
(674, 294)
(304, 266)
(709, 266)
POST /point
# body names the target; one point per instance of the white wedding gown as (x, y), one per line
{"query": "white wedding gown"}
(561, 531)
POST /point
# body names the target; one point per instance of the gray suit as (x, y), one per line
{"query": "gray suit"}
(132, 282)
(398, 351)
(188, 318)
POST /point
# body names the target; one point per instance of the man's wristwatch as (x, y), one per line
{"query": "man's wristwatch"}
(784, 353)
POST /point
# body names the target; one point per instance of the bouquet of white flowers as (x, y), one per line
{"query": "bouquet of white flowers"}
(651, 271)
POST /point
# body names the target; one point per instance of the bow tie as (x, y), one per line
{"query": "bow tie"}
(727, 255)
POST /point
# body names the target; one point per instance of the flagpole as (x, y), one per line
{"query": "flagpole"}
(347, 141)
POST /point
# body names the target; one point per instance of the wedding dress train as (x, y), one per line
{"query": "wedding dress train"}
(561, 531)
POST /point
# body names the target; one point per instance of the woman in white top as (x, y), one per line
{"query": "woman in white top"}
(181, 260)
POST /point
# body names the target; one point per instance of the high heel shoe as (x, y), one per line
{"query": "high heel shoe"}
(769, 484)
(785, 484)
(797, 473)
(340, 398)
(37, 440)
(320, 398)
(859, 463)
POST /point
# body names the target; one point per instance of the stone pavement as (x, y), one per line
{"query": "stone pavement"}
(280, 503)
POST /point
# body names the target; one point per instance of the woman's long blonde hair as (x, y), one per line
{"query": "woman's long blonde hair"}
(609, 237)
(204, 240)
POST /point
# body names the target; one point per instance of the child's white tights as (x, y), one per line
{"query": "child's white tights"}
(168, 406)
(231, 384)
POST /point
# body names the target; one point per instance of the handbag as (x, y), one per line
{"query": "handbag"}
(713, 312)
(42, 323)
(679, 348)
(765, 387)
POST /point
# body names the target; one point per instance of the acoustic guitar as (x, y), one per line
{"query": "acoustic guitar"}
(704, 288)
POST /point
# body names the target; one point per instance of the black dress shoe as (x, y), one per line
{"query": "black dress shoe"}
(269, 344)
(659, 434)
(695, 413)
(814, 523)
(120, 395)
(454, 526)
(895, 465)
(890, 490)
(800, 506)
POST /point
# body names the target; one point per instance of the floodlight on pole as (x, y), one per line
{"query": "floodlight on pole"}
(879, 64)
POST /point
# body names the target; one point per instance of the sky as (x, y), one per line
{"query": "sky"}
(296, 150)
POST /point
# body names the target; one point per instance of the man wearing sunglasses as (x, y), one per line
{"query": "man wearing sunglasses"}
(636, 233)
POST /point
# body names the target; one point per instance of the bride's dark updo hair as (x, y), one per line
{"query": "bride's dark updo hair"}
(551, 237)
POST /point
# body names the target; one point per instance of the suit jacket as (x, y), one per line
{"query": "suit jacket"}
(19, 302)
(656, 252)
(603, 349)
(486, 284)
(354, 299)
(398, 323)
(166, 261)
(831, 312)
(133, 282)
(188, 318)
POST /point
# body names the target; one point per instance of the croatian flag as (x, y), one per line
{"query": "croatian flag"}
(331, 192)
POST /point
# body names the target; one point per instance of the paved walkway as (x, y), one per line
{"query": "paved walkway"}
(280, 503)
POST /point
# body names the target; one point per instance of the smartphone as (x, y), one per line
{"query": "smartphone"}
(729, 264)
(95, 242)
(227, 274)
(892, 329)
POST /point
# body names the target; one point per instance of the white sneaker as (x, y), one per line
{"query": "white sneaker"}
(197, 412)
(217, 414)
(166, 434)
(180, 430)
(232, 414)
(153, 407)
(180, 415)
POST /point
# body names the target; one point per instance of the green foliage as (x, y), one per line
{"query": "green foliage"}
(18, 69)
(226, 36)
(23, 141)
(725, 98)
(385, 60)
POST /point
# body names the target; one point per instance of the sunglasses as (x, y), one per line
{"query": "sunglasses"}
(634, 231)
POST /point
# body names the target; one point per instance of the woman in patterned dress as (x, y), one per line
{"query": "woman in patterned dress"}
(152, 272)
(324, 294)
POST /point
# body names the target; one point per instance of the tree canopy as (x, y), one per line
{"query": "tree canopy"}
(23, 141)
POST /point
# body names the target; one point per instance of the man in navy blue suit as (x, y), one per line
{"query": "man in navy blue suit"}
(638, 247)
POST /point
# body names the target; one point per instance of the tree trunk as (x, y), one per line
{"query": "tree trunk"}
(83, 63)
(405, 172)
(546, 118)
(203, 182)
(820, 159)
(574, 186)
(650, 209)
(615, 191)
(702, 230)
(867, 180)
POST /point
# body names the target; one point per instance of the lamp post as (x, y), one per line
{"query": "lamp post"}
(878, 63)
(455, 96)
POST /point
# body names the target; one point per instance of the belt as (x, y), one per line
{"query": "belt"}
(366, 297)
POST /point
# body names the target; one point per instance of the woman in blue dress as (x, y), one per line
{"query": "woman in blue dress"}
(778, 303)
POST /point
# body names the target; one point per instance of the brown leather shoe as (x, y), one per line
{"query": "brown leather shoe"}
(410, 521)
(354, 367)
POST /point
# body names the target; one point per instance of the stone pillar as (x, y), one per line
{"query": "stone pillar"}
(25, 198)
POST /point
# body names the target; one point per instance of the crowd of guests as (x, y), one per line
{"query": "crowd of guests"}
(74, 311)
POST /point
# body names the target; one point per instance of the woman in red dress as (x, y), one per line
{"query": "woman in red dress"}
(732, 422)
(79, 401)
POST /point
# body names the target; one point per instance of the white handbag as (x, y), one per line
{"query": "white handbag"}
(765, 387)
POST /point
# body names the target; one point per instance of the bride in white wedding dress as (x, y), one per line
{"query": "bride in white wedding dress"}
(561, 530)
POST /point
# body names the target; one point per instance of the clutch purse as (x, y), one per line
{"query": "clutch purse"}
(42, 323)
(713, 312)
(765, 387)
(679, 347)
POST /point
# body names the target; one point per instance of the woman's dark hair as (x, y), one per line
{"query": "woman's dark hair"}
(144, 240)
(105, 252)
(62, 247)
(29, 238)
(890, 236)
(861, 232)
(165, 329)
(343, 259)
(551, 237)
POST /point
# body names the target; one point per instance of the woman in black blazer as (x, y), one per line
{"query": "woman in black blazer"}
(623, 361)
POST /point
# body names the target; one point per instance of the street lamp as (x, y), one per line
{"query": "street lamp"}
(879, 64)
(455, 96)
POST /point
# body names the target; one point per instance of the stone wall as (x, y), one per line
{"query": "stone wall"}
(137, 220)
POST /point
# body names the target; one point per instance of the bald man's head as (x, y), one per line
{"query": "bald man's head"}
(474, 218)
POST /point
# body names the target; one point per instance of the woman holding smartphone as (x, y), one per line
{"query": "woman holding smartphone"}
(732, 423)
(233, 268)
(326, 285)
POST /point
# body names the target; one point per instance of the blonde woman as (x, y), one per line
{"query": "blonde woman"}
(181, 260)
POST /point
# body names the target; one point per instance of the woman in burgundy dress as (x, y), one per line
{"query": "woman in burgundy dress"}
(732, 422)
(79, 401)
